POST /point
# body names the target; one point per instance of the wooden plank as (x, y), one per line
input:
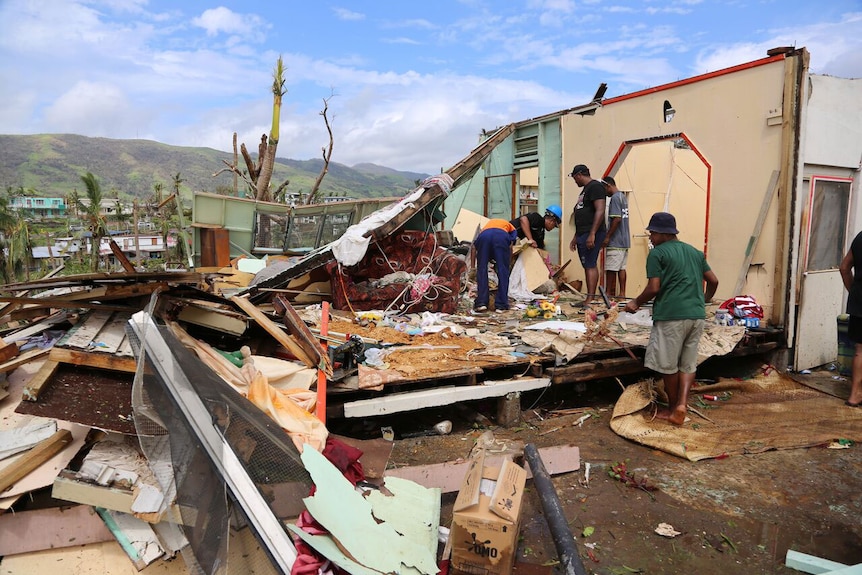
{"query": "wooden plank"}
(121, 257)
(18, 439)
(125, 349)
(226, 322)
(55, 528)
(97, 360)
(449, 475)
(111, 336)
(810, 563)
(34, 387)
(25, 357)
(478, 154)
(411, 401)
(66, 303)
(7, 351)
(40, 454)
(37, 328)
(67, 488)
(107, 278)
(82, 334)
(590, 370)
(771, 188)
(303, 334)
(273, 329)
(427, 198)
(136, 538)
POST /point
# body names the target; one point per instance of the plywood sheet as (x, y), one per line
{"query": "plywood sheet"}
(467, 224)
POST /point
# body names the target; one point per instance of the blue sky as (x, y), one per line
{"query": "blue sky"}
(410, 85)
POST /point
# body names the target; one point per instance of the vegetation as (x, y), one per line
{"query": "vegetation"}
(50, 165)
(91, 213)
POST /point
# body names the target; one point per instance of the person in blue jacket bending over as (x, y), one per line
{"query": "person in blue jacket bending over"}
(494, 242)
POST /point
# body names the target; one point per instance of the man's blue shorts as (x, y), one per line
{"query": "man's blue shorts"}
(590, 258)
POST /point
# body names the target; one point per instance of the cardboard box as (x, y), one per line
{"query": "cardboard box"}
(486, 518)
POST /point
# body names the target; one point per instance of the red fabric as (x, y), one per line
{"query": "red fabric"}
(308, 561)
(409, 251)
(742, 306)
(345, 458)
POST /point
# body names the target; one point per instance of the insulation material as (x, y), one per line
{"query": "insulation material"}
(348, 516)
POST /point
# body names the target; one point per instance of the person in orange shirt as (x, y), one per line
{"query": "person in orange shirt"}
(494, 242)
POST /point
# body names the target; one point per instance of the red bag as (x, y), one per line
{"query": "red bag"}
(742, 306)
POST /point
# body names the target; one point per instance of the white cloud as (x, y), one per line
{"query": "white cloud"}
(95, 109)
(834, 47)
(401, 40)
(222, 20)
(416, 23)
(345, 14)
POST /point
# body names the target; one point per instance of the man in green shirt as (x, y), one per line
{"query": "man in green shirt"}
(676, 273)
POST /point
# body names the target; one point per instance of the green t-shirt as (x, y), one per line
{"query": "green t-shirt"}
(680, 268)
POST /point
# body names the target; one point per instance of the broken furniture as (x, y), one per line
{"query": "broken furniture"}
(430, 276)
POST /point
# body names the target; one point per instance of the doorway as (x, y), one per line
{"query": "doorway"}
(665, 174)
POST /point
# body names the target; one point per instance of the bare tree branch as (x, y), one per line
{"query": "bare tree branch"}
(313, 195)
(237, 172)
(249, 163)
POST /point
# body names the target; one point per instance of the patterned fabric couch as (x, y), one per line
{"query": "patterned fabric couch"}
(428, 278)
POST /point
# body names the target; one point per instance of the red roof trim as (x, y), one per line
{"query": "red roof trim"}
(692, 80)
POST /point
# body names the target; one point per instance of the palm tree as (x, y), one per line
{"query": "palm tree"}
(8, 223)
(268, 161)
(92, 214)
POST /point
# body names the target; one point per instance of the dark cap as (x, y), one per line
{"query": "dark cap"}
(662, 223)
(580, 169)
(609, 181)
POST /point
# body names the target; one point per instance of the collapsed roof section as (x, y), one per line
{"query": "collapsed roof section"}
(417, 208)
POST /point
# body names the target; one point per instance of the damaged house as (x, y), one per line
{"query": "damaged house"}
(225, 376)
(759, 162)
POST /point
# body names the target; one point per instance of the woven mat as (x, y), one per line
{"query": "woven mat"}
(766, 412)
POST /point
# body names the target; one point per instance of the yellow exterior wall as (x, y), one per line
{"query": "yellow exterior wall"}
(734, 121)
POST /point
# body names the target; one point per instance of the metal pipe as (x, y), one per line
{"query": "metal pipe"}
(567, 549)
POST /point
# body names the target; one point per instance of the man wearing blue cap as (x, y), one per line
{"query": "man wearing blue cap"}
(676, 273)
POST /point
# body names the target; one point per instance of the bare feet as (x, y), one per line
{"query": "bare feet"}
(662, 413)
(677, 416)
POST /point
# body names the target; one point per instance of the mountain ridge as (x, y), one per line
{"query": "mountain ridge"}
(52, 166)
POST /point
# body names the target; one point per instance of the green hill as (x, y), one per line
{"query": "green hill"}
(52, 165)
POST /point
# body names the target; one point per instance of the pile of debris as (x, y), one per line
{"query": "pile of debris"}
(142, 399)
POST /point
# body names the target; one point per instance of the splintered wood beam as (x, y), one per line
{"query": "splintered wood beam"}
(43, 451)
(410, 401)
(63, 303)
(7, 351)
(39, 380)
(590, 370)
(427, 198)
(97, 360)
(22, 359)
(121, 257)
(273, 329)
(303, 333)
(478, 154)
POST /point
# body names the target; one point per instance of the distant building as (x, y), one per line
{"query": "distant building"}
(108, 206)
(39, 207)
(150, 246)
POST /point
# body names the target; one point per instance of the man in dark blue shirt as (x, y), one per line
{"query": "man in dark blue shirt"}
(851, 275)
(589, 226)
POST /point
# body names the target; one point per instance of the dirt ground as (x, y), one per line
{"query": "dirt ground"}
(735, 515)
